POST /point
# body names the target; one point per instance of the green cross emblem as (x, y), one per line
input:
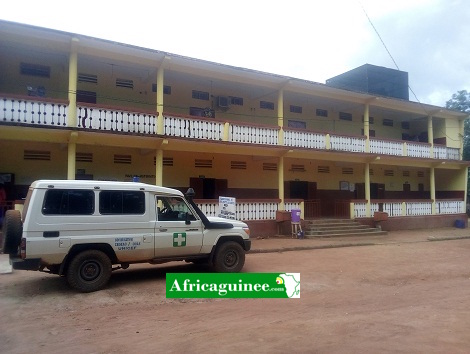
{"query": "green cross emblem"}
(179, 239)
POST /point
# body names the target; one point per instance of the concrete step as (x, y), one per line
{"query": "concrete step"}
(340, 231)
(374, 233)
(329, 221)
(335, 227)
(338, 228)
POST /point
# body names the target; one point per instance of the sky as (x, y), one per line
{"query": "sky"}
(306, 39)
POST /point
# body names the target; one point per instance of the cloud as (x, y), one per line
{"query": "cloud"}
(312, 40)
(429, 43)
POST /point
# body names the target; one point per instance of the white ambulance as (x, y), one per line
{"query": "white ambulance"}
(80, 229)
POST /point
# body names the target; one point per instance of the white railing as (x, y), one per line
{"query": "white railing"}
(244, 210)
(391, 208)
(33, 111)
(440, 152)
(115, 120)
(446, 153)
(305, 139)
(450, 207)
(346, 143)
(418, 150)
(453, 153)
(360, 210)
(385, 147)
(253, 134)
(289, 206)
(411, 208)
(418, 208)
(40, 111)
(193, 128)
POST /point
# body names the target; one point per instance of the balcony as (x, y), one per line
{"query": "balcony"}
(35, 111)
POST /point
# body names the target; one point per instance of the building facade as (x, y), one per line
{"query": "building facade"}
(77, 107)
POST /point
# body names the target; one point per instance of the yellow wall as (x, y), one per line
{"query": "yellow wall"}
(452, 131)
(446, 181)
(27, 171)
(12, 81)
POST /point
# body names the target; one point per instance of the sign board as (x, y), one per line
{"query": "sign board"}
(227, 208)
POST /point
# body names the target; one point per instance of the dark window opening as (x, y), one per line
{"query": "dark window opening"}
(122, 202)
(266, 105)
(86, 96)
(295, 109)
(69, 202)
(35, 70)
(200, 95)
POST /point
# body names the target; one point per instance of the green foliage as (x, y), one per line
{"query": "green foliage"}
(460, 101)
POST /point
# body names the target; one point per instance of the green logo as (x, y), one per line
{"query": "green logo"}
(179, 239)
(232, 285)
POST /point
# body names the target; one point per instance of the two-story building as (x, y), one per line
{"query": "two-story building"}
(78, 107)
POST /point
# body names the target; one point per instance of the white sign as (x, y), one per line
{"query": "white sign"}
(227, 208)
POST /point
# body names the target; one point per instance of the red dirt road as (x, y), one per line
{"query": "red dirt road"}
(412, 297)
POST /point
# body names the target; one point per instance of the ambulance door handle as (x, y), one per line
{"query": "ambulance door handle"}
(162, 229)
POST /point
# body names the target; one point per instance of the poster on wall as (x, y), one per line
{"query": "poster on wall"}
(227, 208)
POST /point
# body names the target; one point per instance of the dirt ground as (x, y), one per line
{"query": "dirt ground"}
(408, 297)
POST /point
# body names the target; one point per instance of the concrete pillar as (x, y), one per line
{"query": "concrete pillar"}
(71, 156)
(280, 116)
(432, 189)
(160, 83)
(159, 167)
(366, 126)
(461, 136)
(73, 78)
(327, 142)
(431, 135)
(367, 188)
(280, 177)
(226, 136)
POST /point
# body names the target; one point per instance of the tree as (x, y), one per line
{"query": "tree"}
(460, 101)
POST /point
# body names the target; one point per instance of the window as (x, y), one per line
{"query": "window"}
(37, 155)
(69, 202)
(173, 209)
(84, 157)
(166, 89)
(269, 166)
(200, 95)
(86, 96)
(387, 122)
(200, 163)
(88, 78)
(238, 165)
(124, 159)
(297, 168)
(236, 101)
(125, 83)
(122, 202)
(266, 105)
(35, 70)
(296, 124)
(323, 169)
(345, 116)
(295, 109)
(202, 112)
(321, 112)
(405, 125)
